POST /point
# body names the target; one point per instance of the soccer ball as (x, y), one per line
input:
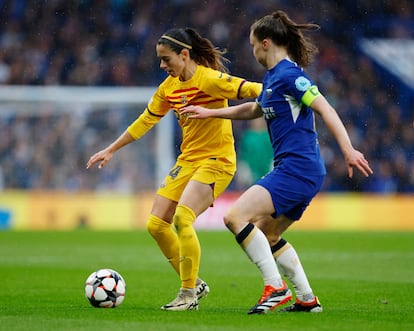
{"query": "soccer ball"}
(105, 288)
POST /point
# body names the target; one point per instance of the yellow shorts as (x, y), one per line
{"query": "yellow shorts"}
(212, 172)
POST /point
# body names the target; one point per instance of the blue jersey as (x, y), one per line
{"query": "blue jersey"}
(290, 121)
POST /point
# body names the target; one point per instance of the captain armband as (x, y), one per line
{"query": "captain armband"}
(311, 94)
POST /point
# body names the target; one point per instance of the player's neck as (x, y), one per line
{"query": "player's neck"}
(188, 71)
(275, 56)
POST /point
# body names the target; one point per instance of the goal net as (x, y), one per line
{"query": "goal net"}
(47, 134)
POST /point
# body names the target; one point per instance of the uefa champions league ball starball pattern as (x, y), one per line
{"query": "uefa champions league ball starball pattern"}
(105, 288)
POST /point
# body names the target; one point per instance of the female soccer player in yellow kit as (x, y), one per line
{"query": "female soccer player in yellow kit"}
(207, 162)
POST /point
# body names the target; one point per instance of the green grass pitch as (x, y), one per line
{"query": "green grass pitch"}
(365, 281)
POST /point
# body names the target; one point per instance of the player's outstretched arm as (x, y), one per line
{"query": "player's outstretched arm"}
(353, 157)
(244, 111)
(105, 155)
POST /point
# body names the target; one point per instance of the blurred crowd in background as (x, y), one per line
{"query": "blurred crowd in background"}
(112, 43)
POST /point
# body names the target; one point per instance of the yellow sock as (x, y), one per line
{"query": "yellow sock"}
(189, 245)
(166, 238)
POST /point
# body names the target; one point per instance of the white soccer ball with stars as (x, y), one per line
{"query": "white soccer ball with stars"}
(105, 288)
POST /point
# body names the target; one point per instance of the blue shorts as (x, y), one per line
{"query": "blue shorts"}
(290, 193)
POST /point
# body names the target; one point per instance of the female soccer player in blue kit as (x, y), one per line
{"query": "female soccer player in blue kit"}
(288, 101)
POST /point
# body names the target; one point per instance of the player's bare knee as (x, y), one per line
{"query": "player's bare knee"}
(227, 218)
(227, 221)
(230, 220)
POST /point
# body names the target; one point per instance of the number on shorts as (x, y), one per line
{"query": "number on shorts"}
(174, 172)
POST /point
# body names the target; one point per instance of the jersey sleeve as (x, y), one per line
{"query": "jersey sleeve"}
(259, 99)
(302, 88)
(229, 87)
(249, 90)
(143, 124)
(156, 109)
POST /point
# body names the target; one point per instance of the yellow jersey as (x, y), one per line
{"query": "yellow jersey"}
(201, 139)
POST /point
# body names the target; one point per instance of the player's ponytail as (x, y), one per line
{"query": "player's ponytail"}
(202, 50)
(205, 53)
(284, 32)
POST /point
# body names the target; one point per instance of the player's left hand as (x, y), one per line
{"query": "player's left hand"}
(356, 159)
(195, 112)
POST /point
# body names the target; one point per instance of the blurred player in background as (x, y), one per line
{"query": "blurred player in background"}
(207, 163)
(255, 157)
(288, 101)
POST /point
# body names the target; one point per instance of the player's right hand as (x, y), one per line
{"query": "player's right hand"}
(102, 156)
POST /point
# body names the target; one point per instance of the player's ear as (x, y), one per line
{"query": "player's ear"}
(185, 53)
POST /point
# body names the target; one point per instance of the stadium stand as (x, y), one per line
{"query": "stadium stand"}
(112, 43)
